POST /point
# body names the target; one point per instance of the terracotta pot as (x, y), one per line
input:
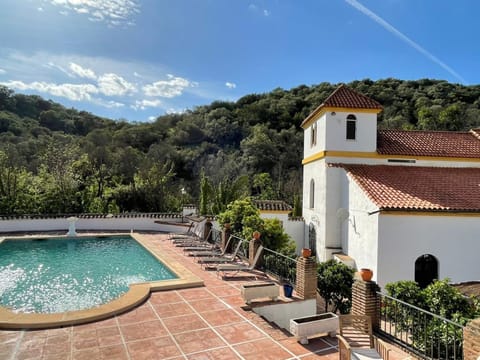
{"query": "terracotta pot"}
(226, 226)
(256, 235)
(306, 252)
(366, 274)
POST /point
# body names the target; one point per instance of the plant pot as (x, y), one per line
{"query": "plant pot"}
(256, 235)
(312, 325)
(227, 226)
(366, 274)
(306, 252)
(288, 290)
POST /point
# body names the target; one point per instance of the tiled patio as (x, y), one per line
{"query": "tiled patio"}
(209, 322)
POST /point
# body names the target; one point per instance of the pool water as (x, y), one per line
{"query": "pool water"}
(57, 275)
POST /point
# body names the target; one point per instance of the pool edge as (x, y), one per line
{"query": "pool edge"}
(136, 295)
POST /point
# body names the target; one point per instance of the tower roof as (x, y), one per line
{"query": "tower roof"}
(344, 97)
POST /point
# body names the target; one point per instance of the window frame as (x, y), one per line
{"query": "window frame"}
(351, 119)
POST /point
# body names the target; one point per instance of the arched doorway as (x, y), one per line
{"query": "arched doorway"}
(312, 239)
(426, 270)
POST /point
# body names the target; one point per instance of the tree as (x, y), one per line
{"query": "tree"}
(244, 218)
(335, 282)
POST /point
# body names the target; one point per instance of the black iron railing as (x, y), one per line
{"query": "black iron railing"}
(279, 266)
(427, 335)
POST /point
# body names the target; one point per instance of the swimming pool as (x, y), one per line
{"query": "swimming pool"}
(67, 274)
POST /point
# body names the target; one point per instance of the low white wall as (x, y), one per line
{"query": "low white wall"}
(126, 224)
(281, 313)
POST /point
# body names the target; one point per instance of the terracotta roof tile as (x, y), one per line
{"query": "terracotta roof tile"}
(348, 98)
(344, 97)
(419, 188)
(269, 205)
(429, 143)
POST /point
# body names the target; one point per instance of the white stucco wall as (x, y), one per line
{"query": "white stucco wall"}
(315, 216)
(361, 239)
(366, 134)
(453, 240)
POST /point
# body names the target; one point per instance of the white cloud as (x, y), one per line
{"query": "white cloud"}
(175, 111)
(112, 84)
(152, 118)
(266, 12)
(143, 104)
(75, 92)
(391, 29)
(107, 103)
(113, 12)
(40, 9)
(170, 88)
(2, 71)
(230, 85)
(82, 72)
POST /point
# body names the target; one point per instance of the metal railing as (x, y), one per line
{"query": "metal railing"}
(279, 266)
(425, 334)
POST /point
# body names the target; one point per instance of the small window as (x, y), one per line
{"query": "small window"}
(313, 139)
(351, 127)
(312, 194)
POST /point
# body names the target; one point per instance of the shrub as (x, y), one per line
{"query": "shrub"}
(335, 281)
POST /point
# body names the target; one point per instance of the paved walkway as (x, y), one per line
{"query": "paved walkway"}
(210, 322)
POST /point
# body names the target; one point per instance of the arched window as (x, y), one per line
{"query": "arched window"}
(313, 138)
(351, 127)
(312, 194)
(426, 270)
(312, 239)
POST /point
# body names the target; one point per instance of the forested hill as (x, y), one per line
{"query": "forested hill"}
(59, 160)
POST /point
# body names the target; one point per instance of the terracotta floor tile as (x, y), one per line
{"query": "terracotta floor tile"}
(238, 333)
(145, 330)
(59, 331)
(34, 334)
(6, 350)
(158, 348)
(57, 356)
(173, 309)
(207, 305)
(195, 294)
(57, 345)
(222, 317)
(235, 301)
(184, 323)
(87, 354)
(225, 290)
(199, 340)
(108, 331)
(84, 333)
(9, 336)
(82, 344)
(216, 354)
(164, 297)
(116, 352)
(140, 314)
(32, 344)
(298, 349)
(264, 349)
(105, 323)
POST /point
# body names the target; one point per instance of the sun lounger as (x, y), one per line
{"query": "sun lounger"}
(209, 260)
(236, 268)
(218, 252)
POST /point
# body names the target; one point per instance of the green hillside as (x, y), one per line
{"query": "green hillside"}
(59, 160)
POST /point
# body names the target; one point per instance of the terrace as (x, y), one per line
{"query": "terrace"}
(209, 322)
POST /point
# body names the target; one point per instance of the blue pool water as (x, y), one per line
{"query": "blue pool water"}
(58, 275)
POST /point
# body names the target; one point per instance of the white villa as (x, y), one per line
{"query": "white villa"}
(405, 204)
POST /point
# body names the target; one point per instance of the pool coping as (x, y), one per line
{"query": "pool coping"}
(135, 296)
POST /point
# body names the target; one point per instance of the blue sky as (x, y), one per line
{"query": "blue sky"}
(137, 59)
